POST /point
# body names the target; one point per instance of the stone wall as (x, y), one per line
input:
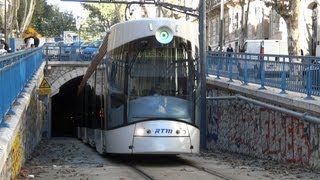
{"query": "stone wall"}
(21, 130)
(244, 127)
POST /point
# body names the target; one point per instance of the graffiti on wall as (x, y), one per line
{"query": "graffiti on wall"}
(242, 127)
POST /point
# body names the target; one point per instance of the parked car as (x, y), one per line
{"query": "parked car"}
(73, 48)
(71, 51)
(91, 50)
(51, 50)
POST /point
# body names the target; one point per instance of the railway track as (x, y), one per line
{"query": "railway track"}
(172, 167)
(69, 158)
(209, 171)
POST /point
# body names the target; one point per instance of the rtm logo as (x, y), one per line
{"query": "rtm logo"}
(163, 131)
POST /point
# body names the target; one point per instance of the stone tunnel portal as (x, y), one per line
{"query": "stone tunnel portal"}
(67, 108)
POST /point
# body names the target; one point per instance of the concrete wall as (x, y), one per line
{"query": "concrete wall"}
(244, 127)
(22, 130)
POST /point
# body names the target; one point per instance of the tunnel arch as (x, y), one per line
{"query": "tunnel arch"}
(66, 109)
(65, 77)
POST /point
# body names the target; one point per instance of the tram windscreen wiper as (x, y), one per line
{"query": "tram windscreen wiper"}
(142, 47)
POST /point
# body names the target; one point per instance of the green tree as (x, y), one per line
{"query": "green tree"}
(50, 22)
(101, 18)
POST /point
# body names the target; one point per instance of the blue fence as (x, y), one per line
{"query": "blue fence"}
(294, 73)
(54, 52)
(16, 69)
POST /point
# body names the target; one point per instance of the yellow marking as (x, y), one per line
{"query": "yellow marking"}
(16, 156)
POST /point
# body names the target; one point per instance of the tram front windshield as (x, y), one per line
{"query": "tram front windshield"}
(161, 73)
(158, 81)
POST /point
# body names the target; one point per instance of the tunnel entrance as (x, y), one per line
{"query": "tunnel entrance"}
(66, 109)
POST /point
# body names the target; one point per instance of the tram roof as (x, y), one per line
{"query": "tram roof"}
(128, 31)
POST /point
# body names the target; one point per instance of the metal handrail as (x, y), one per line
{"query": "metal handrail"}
(294, 73)
(16, 69)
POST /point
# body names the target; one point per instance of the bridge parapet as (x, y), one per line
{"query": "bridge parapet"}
(16, 69)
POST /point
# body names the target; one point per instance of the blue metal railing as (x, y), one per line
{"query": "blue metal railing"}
(294, 73)
(16, 69)
(68, 53)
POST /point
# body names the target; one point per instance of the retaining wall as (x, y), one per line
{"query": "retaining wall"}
(240, 126)
(21, 131)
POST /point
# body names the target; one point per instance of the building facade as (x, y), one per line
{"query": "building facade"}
(262, 23)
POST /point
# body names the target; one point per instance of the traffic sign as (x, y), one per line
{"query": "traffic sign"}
(44, 91)
(44, 88)
(44, 84)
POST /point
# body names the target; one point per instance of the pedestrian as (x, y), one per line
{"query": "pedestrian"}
(5, 45)
(301, 54)
(229, 51)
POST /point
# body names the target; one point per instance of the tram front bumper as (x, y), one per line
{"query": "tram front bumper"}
(163, 145)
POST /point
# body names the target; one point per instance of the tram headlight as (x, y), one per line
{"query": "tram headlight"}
(164, 35)
(139, 132)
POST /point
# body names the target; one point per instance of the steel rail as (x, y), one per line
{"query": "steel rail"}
(141, 172)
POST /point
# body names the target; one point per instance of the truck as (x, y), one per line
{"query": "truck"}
(269, 54)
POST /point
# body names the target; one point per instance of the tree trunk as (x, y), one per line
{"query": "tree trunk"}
(28, 18)
(244, 23)
(11, 17)
(293, 37)
(292, 23)
(290, 12)
(15, 23)
(25, 10)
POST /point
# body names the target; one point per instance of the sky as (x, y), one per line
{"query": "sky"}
(74, 7)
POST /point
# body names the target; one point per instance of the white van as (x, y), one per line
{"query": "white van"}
(272, 47)
(254, 49)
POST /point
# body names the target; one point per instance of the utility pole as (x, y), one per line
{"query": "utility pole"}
(221, 25)
(203, 62)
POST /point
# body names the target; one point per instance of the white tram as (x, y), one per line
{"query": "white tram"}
(151, 91)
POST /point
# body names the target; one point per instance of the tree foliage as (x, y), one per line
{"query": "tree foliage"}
(46, 19)
(101, 18)
(289, 11)
(50, 22)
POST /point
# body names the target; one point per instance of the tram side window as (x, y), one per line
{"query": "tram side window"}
(117, 100)
(113, 73)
